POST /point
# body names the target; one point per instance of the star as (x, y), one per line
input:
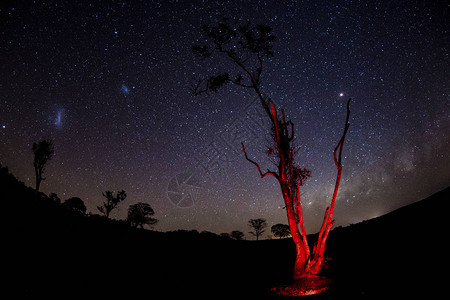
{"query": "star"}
(123, 99)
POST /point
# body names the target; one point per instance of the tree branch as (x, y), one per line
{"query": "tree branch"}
(237, 82)
(301, 222)
(259, 69)
(340, 145)
(328, 218)
(241, 65)
(197, 88)
(257, 166)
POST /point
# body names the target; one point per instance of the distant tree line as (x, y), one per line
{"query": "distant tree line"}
(138, 214)
(259, 227)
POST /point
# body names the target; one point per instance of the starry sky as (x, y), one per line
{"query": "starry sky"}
(110, 83)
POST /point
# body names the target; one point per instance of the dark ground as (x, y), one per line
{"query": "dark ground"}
(50, 251)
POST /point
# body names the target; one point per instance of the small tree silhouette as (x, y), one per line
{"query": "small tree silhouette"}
(43, 152)
(111, 201)
(237, 235)
(139, 214)
(258, 226)
(75, 204)
(280, 230)
(54, 197)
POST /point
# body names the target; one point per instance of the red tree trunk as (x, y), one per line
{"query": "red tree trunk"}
(306, 263)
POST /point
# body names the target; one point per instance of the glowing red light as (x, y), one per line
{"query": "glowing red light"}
(306, 286)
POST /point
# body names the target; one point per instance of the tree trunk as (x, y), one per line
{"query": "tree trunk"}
(38, 184)
(306, 263)
(301, 268)
(38, 177)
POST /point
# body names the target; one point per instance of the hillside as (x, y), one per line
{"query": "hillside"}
(55, 252)
(52, 251)
(402, 252)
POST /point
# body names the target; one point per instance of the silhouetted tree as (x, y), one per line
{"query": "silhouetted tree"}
(139, 214)
(54, 197)
(280, 230)
(258, 226)
(43, 152)
(237, 235)
(246, 46)
(111, 201)
(75, 204)
(208, 234)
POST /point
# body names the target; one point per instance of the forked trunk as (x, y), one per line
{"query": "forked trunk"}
(307, 263)
(301, 266)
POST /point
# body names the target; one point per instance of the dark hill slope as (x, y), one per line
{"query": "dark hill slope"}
(51, 251)
(403, 252)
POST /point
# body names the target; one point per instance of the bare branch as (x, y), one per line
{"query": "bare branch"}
(257, 166)
(200, 86)
(328, 218)
(292, 131)
(259, 69)
(238, 82)
(340, 145)
(238, 62)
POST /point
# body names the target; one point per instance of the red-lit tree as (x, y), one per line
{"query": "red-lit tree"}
(247, 46)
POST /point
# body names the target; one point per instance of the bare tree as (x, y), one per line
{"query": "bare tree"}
(246, 47)
(258, 226)
(54, 198)
(43, 152)
(111, 201)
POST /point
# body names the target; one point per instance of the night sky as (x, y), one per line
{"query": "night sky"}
(110, 83)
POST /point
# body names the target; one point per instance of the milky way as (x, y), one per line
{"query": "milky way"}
(110, 83)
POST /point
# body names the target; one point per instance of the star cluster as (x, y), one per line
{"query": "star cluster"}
(110, 82)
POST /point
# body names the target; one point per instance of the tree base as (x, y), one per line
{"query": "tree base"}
(310, 285)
